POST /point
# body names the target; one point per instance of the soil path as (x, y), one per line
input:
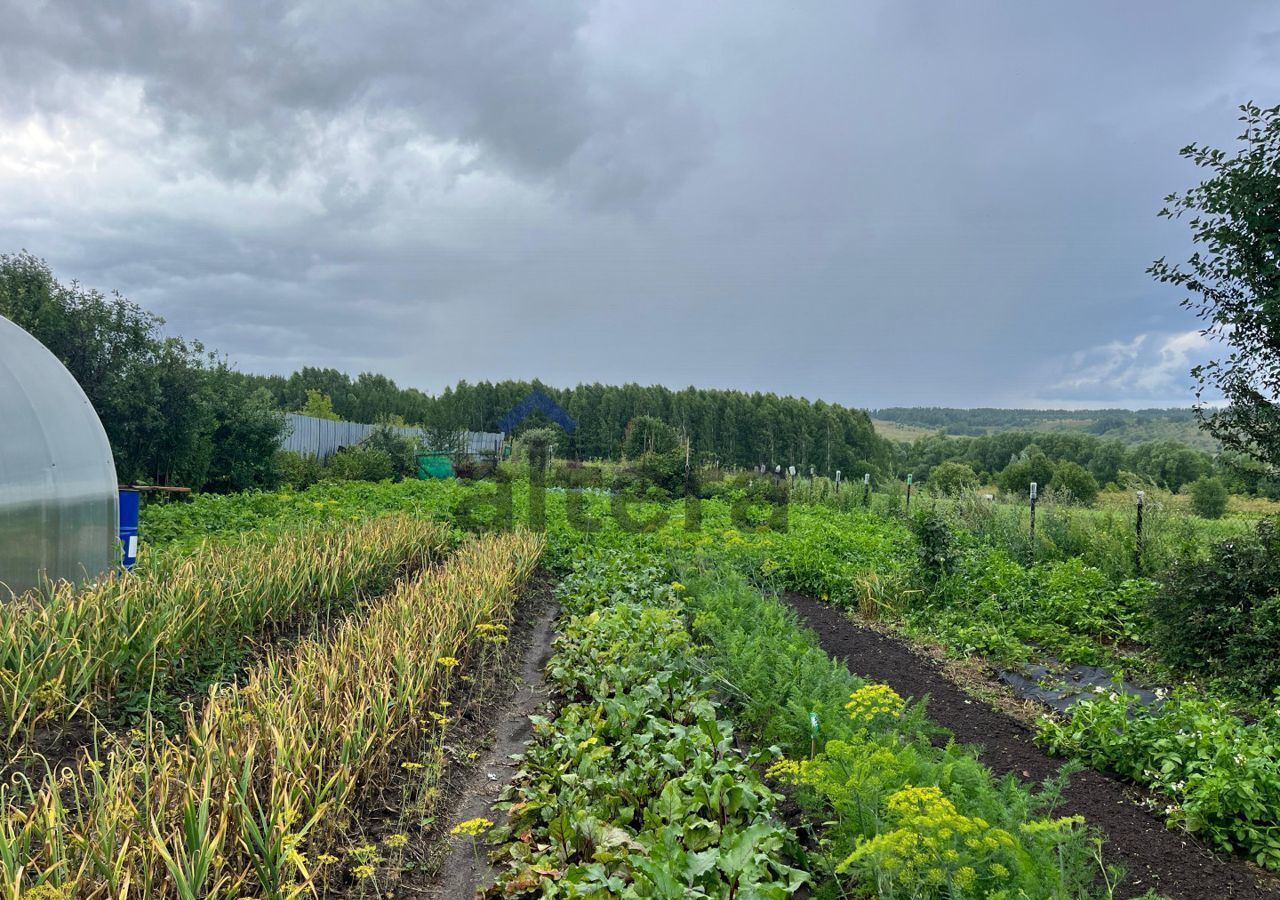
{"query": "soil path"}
(464, 866)
(1155, 856)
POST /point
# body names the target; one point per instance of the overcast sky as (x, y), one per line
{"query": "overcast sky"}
(875, 203)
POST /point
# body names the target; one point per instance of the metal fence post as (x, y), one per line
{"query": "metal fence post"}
(1033, 523)
(1137, 547)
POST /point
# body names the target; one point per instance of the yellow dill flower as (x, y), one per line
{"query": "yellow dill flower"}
(998, 870)
(363, 871)
(789, 771)
(472, 827)
(397, 840)
(867, 703)
(411, 766)
(47, 892)
(326, 858)
(438, 719)
(447, 661)
(366, 853)
(965, 878)
(677, 586)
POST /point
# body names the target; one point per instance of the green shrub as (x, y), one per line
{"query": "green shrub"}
(950, 479)
(938, 545)
(360, 464)
(298, 470)
(537, 446)
(1075, 480)
(400, 449)
(1031, 465)
(1209, 497)
(665, 471)
(647, 434)
(1219, 613)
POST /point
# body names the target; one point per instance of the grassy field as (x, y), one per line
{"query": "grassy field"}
(903, 434)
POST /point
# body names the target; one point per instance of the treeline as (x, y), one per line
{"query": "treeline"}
(174, 413)
(1169, 464)
(729, 428)
(367, 398)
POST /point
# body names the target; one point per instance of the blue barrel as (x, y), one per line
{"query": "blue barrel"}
(129, 503)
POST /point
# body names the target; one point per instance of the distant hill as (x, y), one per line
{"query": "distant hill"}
(906, 423)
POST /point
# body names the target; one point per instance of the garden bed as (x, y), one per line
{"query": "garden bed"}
(1172, 862)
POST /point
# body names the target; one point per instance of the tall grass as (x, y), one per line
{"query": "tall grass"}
(1104, 536)
(270, 774)
(111, 647)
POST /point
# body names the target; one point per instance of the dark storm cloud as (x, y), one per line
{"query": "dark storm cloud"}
(875, 203)
(251, 83)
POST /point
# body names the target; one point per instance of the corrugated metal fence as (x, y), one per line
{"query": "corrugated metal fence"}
(322, 437)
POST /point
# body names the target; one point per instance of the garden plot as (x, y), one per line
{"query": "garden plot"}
(1171, 862)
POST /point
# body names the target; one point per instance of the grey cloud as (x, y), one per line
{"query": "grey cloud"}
(252, 82)
(877, 203)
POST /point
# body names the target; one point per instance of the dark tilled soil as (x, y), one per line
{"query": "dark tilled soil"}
(1155, 856)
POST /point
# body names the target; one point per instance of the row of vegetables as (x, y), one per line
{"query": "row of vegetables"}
(635, 788)
(258, 792)
(640, 786)
(112, 651)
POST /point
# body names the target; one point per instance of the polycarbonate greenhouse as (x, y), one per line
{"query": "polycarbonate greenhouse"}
(58, 491)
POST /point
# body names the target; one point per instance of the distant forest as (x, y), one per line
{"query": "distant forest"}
(729, 428)
(1126, 425)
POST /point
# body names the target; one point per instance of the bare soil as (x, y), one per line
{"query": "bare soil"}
(1155, 856)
